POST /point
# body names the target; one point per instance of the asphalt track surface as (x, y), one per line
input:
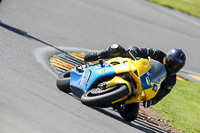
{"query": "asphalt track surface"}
(29, 99)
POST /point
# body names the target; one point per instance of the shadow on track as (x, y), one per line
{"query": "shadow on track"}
(112, 115)
(25, 34)
(118, 118)
(141, 127)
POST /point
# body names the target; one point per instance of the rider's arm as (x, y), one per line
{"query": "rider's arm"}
(145, 52)
(165, 88)
(114, 50)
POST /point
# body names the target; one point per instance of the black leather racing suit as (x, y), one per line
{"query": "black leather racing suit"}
(114, 51)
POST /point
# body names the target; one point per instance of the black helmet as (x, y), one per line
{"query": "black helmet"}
(175, 60)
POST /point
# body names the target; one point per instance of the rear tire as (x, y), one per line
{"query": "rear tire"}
(129, 112)
(104, 98)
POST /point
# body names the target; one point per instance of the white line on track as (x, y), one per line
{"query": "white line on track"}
(190, 19)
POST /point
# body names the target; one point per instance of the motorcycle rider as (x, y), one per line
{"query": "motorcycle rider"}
(173, 61)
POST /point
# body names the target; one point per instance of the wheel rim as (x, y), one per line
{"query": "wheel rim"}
(99, 91)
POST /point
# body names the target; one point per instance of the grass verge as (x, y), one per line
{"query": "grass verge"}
(181, 107)
(191, 7)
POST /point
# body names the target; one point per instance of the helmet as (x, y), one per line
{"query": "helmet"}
(174, 60)
(115, 48)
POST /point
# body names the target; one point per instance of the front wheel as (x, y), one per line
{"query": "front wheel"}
(97, 97)
(64, 84)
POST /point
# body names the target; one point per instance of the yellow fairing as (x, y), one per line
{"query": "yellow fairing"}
(149, 93)
(122, 64)
(143, 66)
(138, 70)
(119, 80)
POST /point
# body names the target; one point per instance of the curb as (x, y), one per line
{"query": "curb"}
(186, 75)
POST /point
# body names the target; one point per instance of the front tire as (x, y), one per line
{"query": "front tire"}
(64, 84)
(103, 99)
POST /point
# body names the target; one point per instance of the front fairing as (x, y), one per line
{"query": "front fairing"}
(91, 74)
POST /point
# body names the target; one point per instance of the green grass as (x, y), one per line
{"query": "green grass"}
(191, 7)
(181, 108)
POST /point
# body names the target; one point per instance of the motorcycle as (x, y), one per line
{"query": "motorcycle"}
(115, 82)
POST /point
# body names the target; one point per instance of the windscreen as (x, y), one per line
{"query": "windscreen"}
(158, 72)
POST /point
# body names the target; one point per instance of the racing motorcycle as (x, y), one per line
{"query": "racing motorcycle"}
(115, 82)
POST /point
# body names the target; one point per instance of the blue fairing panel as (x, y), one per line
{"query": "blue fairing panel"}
(75, 78)
(146, 81)
(90, 75)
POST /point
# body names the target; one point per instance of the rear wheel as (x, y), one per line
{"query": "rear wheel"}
(128, 112)
(99, 97)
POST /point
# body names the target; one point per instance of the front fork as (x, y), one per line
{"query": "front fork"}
(118, 80)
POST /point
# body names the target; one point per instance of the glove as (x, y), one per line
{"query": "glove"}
(134, 50)
(90, 57)
(147, 104)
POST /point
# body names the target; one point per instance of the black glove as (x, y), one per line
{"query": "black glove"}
(147, 104)
(90, 57)
(134, 51)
